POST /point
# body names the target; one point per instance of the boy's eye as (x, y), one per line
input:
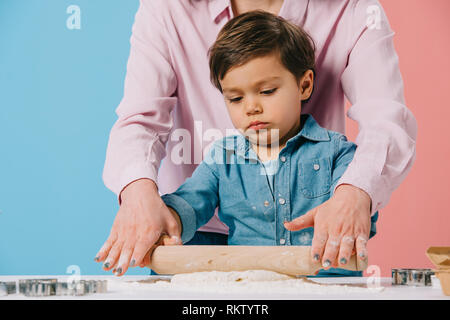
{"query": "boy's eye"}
(269, 91)
(235, 99)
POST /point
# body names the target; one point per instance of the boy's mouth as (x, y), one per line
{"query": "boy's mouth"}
(257, 125)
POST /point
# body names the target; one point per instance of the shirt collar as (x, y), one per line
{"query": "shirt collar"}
(292, 10)
(311, 130)
(216, 7)
(295, 11)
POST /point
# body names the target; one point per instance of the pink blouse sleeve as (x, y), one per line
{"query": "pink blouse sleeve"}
(373, 84)
(137, 139)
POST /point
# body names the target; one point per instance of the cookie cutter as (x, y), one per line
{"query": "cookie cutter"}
(3, 290)
(8, 287)
(81, 287)
(51, 287)
(412, 277)
(37, 287)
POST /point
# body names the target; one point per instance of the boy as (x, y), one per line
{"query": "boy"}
(282, 164)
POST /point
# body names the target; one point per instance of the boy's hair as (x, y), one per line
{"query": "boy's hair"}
(256, 34)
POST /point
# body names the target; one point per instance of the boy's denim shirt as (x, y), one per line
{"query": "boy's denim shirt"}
(232, 177)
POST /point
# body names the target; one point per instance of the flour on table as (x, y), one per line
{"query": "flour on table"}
(251, 281)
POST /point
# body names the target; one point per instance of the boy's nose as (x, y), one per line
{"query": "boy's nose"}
(253, 106)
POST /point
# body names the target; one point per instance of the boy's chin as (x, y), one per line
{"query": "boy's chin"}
(262, 141)
(264, 138)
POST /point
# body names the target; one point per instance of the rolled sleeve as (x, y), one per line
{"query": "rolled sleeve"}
(343, 156)
(387, 129)
(197, 198)
(138, 138)
(186, 214)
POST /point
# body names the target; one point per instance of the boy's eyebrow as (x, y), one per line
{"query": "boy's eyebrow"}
(254, 84)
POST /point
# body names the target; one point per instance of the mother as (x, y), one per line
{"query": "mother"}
(168, 95)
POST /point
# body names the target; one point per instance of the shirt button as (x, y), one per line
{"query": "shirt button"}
(282, 241)
(266, 203)
(316, 166)
(283, 159)
(281, 201)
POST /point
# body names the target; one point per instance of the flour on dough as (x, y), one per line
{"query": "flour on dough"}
(222, 277)
(240, 282)
(253, 281)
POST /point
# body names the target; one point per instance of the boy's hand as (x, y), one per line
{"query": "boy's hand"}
(140, 225)
(341, 226)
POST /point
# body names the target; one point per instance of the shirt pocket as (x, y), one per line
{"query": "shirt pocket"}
(315, 176)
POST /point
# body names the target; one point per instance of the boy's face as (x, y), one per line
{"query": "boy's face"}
(264, 90)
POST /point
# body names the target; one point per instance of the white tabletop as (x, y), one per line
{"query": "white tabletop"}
(129, 287)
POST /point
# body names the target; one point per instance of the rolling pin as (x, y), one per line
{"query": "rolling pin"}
(290, 260)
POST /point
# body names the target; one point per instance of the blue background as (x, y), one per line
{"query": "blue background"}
(59, 89)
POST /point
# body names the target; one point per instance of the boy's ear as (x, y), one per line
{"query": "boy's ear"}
(307, 84)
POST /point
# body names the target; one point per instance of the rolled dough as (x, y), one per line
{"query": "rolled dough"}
(255, 281)
(240, 282)
(222, 277)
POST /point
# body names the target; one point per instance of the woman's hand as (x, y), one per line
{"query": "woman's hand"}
(341, 226)
(142, 223)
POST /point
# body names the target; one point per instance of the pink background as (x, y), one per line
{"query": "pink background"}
(417, 215)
